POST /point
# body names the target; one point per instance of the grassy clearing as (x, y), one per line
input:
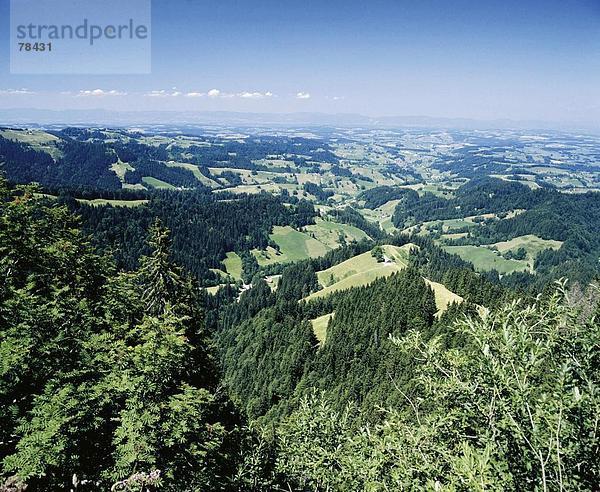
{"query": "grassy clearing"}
(137, 186)
(37, 139)
(436, 189)
(120, 168)
(101, 202)
(294, 245)
(443, 296)
(233, 265)
(361, 270)
(157, 183)
(196, 171)
(328, 232)
(534, 245)
(485, 259)
(454, 235)
(31, 137)
(382, 215)
(213, 290)
(273, 281)
(358, 279)
(447, 226)
(258, 188)
(319, 326)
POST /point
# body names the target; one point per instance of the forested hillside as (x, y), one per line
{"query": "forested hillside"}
(213, 309)
(109, 379)
(203, 227)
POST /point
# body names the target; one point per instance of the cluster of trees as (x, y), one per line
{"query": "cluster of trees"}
(549, 214)
(349, 215)
(204, 226)
(218, 152)
(86, 157)
(316, 190)
(108, 379)
(176, 176)
(478, 196)
(81, 165)
(380, 195)
(507, 409)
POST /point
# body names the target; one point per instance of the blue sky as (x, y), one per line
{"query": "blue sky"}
(486, 59)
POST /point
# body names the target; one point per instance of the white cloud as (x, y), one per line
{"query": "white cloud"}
(216, 93)
(255, 95)
(12, 92)
(303, 95)
(338, 98)
(101, 93)
(163, 93)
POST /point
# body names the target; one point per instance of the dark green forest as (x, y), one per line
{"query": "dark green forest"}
(137, 380)
(131, 359)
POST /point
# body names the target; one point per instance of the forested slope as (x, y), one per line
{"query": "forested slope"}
(110, 379)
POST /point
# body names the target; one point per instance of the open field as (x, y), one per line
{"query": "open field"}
(199, 176)
(214, 289)
(443, 296)
(361, 270)
(358, 279)
(294, 245)
(438, 190)
(157, 183)
(37, 139)
(328, 232)
(485, 259)
(273, 281)
(532, 244)
(382, 215)
(233, 265)
(320, 326)
(258, 188)
(120, 168)
(99, 202)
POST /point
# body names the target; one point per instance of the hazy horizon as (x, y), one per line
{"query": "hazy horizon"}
(474, 60)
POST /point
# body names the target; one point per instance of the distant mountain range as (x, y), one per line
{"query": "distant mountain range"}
(32, 117)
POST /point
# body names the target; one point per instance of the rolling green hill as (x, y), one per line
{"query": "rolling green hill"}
(485, 259)
(361, 270)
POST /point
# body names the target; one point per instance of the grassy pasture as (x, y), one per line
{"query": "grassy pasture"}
(328, 232)
(37, 139)
(443, 296)
(157, 183)
(319, 326)
(100, 202)
(199, 176)
(534, 245)
(258, 188)
(233, 265)
(294, 245)
(30, 137)
(485, 259)
(214, 289)
(361, 270)
(382, 215)
(120, 168)
(273, 281)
